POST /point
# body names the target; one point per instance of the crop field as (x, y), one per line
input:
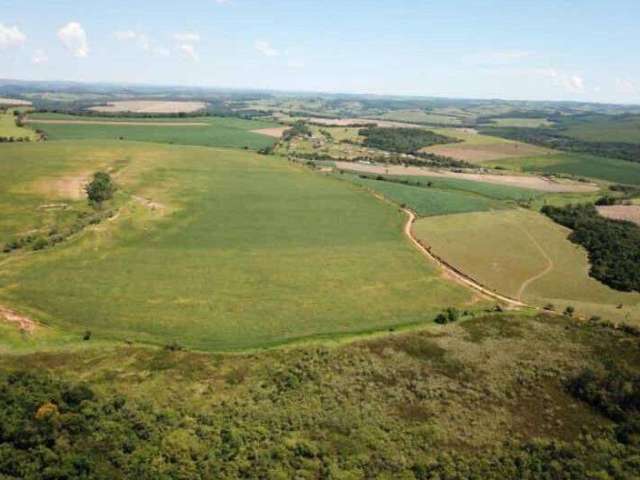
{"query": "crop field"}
(9, 129)
(624, 128)
(199, 131)
(427, 201)
(589, 166)
(489, 190)
(150, 106)
(531, 182)
(420, 116)
(206, 247)
(525, 255)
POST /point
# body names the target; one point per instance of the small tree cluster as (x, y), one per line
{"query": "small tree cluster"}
(100, 189)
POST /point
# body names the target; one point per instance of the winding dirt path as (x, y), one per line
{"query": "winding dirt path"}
(547, 270)
(452, 272)
(25, 323)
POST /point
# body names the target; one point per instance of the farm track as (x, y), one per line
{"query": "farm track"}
(453, 273)
(547, 270)
(457, 275)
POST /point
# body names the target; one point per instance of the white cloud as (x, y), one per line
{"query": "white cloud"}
(74, 38)
(141, 41)
(125, 35)
(11, 37)
(189, 52)
(626, 87)
(39, 57)
(572, 83)
(266, 49)
(186, 37)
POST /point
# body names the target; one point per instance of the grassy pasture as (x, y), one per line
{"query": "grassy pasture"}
(250, 251)
(505, 249)
(480, 148)
(601, 168)
(429, 201)
(8, 127)
(218, 132)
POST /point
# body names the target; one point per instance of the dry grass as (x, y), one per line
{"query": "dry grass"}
(271, 132)
(150, 106)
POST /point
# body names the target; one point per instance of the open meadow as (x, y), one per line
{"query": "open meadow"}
(525, 255)
(214, 249)
(9, 130)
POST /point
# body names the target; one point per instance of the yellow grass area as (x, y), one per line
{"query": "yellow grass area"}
(150, 106)
(479, 148)
(525, 255)
(271, 132)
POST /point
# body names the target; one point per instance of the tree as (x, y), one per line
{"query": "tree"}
(101, 188)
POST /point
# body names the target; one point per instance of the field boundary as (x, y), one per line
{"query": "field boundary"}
(109, 122)
(458, 275)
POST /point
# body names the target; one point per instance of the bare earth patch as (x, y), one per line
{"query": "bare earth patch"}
(630, 213)
(271, 132)
(25, 323)
(150, 106)
(485, 153)
(70, 187)
(107, 122)
(542, 184)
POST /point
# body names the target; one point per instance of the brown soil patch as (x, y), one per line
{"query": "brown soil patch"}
(484, 153)
(70, 187)
(150, 106)
(107, 122)
(630, 213)
(25, 323)
(271, 132)
(542, 184)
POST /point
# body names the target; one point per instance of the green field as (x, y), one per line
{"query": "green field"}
(525, 255)
(625, 128)
(9, 129)
(243, 251)
(218, 131)
(601, 168)
(429, 201)
(489, 190)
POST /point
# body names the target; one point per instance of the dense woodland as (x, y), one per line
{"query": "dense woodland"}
(613, 246)
(402, 140)
(56, 429)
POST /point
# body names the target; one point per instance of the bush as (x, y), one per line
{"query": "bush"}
(101, 188)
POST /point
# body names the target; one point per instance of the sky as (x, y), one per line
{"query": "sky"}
(583, 50)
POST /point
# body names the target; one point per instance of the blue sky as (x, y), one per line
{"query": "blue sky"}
(522, 49)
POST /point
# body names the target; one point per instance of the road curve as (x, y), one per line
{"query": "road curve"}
(458, 276)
